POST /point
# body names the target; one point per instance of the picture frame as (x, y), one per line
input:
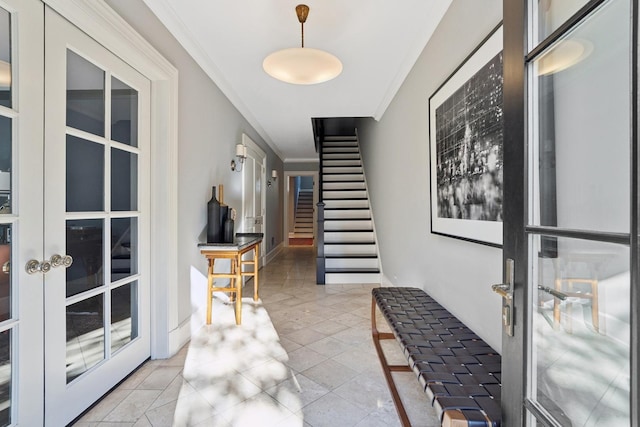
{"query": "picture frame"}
(466, 148)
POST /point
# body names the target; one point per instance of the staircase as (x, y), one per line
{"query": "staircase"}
(350, 250)
(303, 224)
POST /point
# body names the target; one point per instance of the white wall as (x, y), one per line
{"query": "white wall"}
(209, 127)
(395, 153)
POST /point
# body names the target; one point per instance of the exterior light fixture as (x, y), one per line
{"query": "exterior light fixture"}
(241, 155)
(302, 65)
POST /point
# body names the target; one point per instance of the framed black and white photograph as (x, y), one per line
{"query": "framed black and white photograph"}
(466, 148)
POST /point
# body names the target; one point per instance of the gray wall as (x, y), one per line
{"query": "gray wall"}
(395, 153)
(302, 166)
(209, 127)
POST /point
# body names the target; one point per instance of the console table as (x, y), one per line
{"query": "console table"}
(243, 243)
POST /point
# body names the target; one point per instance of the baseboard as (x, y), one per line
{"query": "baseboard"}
(385, 282)
(179, 337)
(273, 253)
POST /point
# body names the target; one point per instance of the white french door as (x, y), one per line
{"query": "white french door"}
(74, 217)
(21, 207)
(96, 204)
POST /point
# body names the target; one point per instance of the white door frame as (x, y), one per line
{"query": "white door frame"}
(247, 141)
(103, 24)
(285, 225)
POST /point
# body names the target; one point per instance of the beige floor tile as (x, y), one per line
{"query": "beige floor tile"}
(297, 392)
(178, 387)
(106, 405)
(160, 378)
(304, 358)
(366, 391)
(360, 359)
(142, 422)
(268, 374)
(330, 374)
(162, 416)
(192, 410)
(329, 327)
(259, 410)
(332, 410)
(305, 336)
(330, 346)
(133, 407)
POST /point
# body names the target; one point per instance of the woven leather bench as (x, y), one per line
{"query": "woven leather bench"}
(459, 371)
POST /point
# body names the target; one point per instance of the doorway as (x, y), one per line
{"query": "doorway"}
(300, 213)
(254, 202)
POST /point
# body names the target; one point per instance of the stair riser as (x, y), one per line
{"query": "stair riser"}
(337, 278)
(347, 225)
(346, 203)
(340, 156)
(351, 263)
(359, 194)
(339, 144)
(328, 163)
(347, 249)
(346, 214)
(342, 170)
(343, 186)
(347, 236)
(342, 177)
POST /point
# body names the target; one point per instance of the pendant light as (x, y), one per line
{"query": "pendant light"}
(302, 65)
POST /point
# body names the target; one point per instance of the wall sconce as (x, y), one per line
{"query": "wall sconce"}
(241, 155)
(274, 177)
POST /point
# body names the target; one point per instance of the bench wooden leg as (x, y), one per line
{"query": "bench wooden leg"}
(386, 368)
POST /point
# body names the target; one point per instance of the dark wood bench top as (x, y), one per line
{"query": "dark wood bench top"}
(458, 370)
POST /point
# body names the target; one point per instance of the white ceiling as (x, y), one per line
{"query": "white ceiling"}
(378, 41)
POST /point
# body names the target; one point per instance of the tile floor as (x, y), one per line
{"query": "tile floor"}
(302, 357)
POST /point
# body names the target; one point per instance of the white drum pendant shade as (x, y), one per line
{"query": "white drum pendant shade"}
(302, 65)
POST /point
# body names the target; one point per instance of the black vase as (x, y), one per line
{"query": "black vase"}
(224, 214)
(229, 226)
(214, 231)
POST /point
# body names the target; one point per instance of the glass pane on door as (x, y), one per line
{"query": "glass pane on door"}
(85, 95)
(551, 14)
(85, 336)
(124, 113)
(85, 244)
(580, 331)
(583, 126)
(5, 59)
(5, 378)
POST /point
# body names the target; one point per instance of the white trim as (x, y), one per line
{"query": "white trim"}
(285, 216)
(273, 253)
(373, 222)
(103, 24)
(179, 336)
